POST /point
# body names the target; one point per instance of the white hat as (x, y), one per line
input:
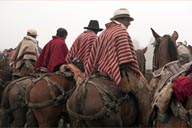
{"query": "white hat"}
(121, 13)
(32, 32)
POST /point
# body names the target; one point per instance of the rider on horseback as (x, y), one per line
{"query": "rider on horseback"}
(25, 55)
(54, 52)
(79, 52)
(113, 51)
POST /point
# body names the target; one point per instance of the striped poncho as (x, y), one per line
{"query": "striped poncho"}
(111, 49)
(81, 47)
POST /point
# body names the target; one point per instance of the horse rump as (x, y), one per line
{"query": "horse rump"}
(98, 102)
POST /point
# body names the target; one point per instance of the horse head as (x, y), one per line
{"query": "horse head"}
(165, 50)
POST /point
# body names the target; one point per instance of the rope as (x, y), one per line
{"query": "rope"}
(107, 108)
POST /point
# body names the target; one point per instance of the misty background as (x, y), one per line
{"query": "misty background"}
(47, 16)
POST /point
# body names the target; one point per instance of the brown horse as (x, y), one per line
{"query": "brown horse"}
(162, 112)
(98, 102)
(13, 103)
(5, 72)
(165, 50)
(48, 95)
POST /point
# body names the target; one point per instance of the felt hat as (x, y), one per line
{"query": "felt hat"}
(121, 13)
(32, 32)
(93, 24)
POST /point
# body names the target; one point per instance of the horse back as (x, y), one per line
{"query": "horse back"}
(88, 94)
(88, 104)
(47, 98)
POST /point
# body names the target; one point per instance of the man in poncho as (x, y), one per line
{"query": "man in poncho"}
(54, 52)
(79, 52)
(25, 55)
(113, 51)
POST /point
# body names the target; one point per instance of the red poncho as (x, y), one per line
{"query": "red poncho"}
(53, 54)
(112, 48)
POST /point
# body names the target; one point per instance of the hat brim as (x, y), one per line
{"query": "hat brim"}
(98, 29)
(122, 16)
(33, 34)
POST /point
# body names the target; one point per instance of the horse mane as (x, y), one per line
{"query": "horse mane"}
(156, 47)
(172, 49)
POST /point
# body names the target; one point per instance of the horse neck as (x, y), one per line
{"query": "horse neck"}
(141, 60)
(189, 103)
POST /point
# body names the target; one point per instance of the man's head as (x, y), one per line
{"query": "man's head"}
(122, 15)
(94, 26)
(61, 32)
(32, 32)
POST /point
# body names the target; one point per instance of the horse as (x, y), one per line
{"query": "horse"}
(166, 110)
(165, 50)
(5, 72)
(184, 52)
(98, 102)
(5, 69)
(176, 121)
(47, 96)
(141, 59)
(13, 103)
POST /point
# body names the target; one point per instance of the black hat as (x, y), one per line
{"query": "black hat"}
(94, 25)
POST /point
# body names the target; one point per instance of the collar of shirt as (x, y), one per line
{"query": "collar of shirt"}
(32, 39)
(88, 31)
(122, 25)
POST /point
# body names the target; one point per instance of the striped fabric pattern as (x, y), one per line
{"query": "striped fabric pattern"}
(81, 47)
(112, 48)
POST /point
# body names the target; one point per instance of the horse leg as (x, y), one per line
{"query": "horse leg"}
(30, 119)
(19, 117)
(129, 112)
(6, 119)
(114, 119)
(48, 117)
(7, 116)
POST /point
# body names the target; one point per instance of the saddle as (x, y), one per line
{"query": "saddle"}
(163, 96)
(168, 72)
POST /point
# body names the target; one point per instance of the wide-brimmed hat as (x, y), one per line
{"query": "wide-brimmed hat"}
(32, 32)
(93, 24)
(121, 13)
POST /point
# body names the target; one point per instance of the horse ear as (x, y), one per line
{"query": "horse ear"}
(175, 36)
(185, 42)
(144, 50)
(155, 34)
